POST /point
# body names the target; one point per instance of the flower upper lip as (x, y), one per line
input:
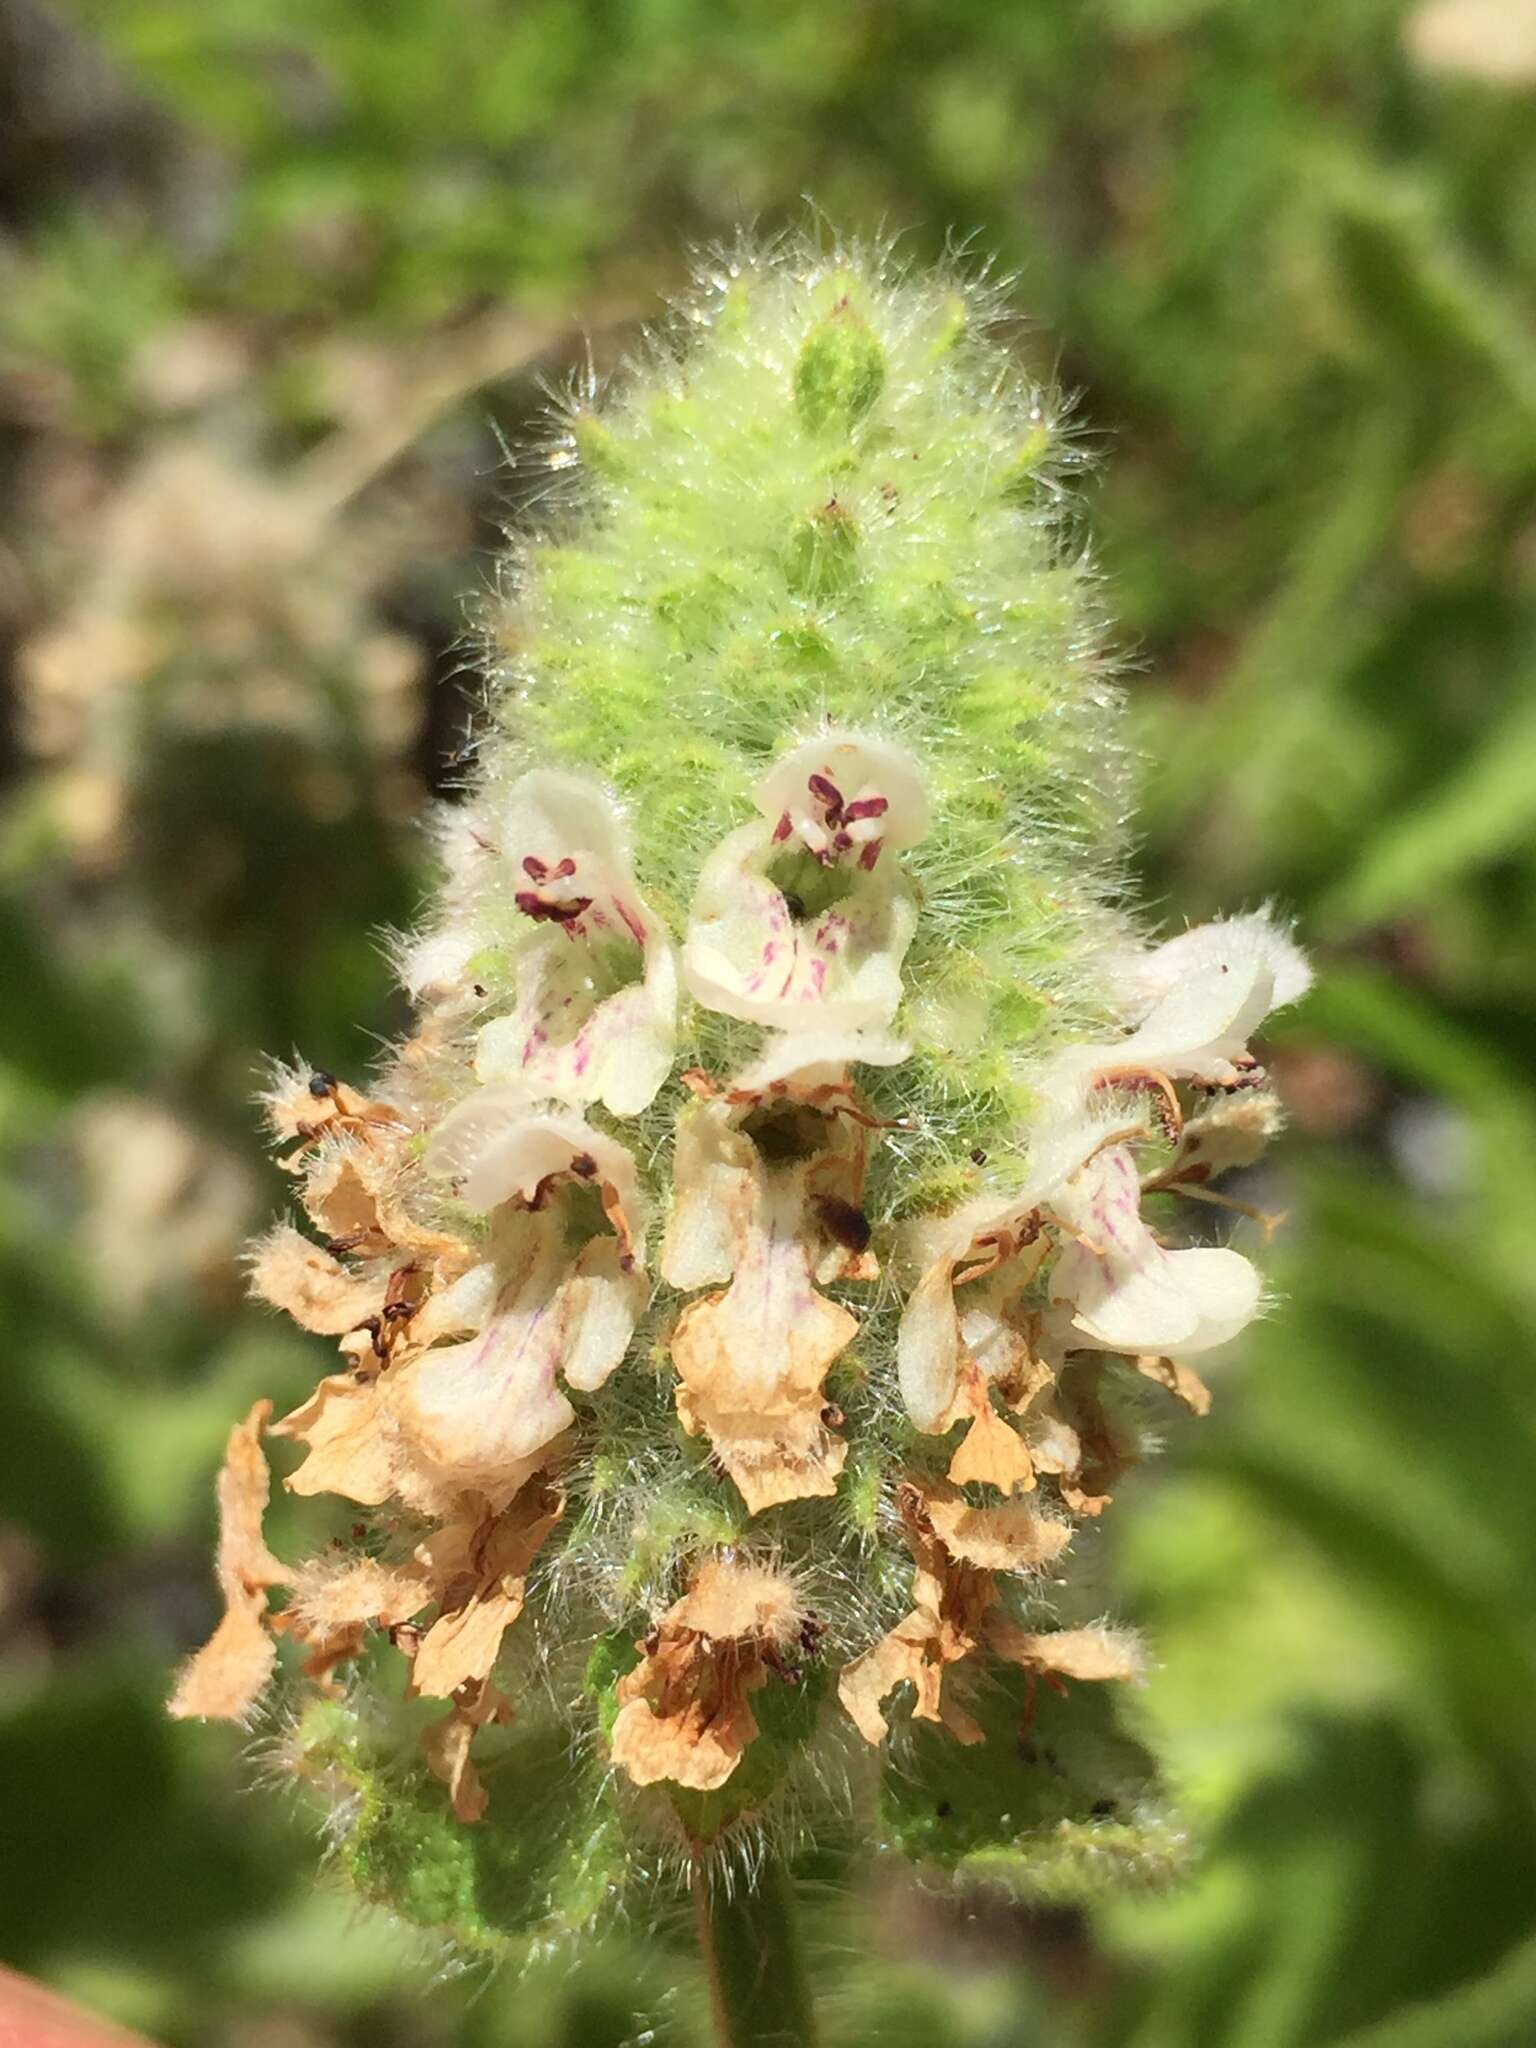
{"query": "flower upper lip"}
(845, 793)
(772, 948)
(596, 1007)
(1204, 994)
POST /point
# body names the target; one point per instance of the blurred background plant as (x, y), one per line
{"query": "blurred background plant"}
(279, 286)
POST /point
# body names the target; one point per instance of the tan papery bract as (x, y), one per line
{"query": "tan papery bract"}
(336, 1600)
(944, 1629)
(1011, 1537)
(1093, 1654)
(296, 1112)
(353, 1449)
(684, 1713)
(480, 1567)
(354, 1193)
(965, 1333)
(957, 1617)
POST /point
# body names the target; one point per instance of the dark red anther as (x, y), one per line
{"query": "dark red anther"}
(533, 905)
(844, 1222)
(841, 841)
(869, 853)
(866, 807)
(827, 792)
(584, 1165)
(566, 869)
(534, 868)
(782, 830)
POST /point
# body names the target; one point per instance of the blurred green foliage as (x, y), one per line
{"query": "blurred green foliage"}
(1289, 255)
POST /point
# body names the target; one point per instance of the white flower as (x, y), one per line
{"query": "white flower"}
(845, 797)
(595, 1016)
(1126, 1292)
(799, 923)
(483, 1413)
(769, 1185)
(969, 1331)
(495, 1147)
(1202, 995)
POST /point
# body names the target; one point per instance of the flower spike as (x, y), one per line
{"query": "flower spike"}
(755, 1269)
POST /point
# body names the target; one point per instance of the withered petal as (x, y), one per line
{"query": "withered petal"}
(1086, 1653)
(223, 1679)
(352, 1446)
(315, 1289)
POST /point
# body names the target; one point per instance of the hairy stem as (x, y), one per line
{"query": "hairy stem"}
(751, 1951)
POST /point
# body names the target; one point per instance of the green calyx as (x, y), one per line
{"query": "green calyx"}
(841, 370)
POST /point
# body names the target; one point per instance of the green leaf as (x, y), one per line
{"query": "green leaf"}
(541, 1863)
(1057, 1800)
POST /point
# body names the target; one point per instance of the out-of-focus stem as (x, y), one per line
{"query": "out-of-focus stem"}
(751, 1951)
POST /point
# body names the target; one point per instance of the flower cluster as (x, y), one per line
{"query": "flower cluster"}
(463, 1346)
(750, 1263)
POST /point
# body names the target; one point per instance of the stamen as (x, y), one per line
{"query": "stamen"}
(829, 795)
(542, 911)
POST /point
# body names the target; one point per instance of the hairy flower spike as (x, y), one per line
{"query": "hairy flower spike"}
(752, 1275)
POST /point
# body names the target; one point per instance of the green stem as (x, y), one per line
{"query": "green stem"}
(752, 1954)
